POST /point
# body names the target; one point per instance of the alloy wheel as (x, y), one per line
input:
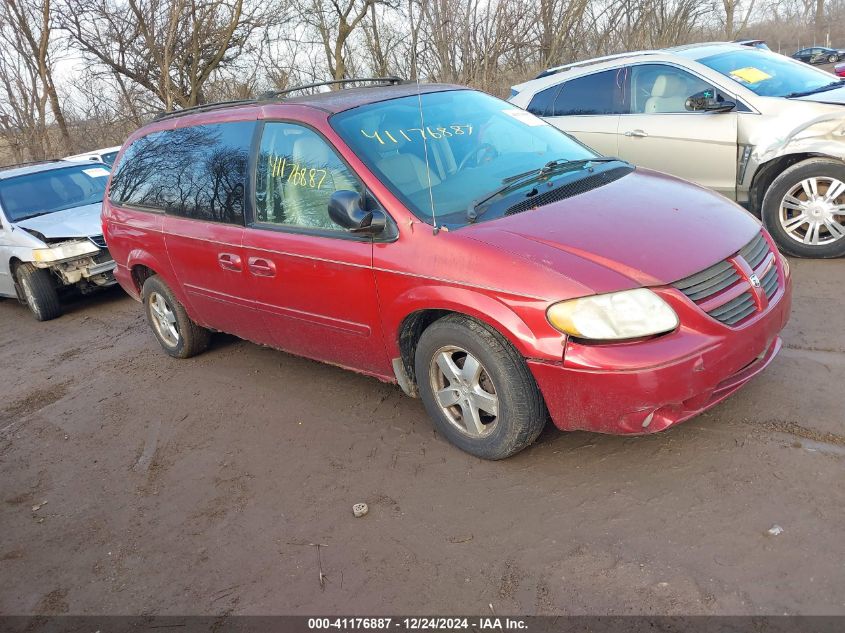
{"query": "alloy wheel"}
(164, 320)
(27, 293)
(813, 211)
(464, 391)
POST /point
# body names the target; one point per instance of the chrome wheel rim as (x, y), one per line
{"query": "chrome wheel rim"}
(27, 293)
(164, 320)
(813, 211)
(464, 391)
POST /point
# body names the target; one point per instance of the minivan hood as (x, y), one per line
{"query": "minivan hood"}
(645, 229)
(74, 222)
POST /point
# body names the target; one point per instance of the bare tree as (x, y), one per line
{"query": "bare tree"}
(736, 17)
(143, 55)
(335, 22)
(23, 116)
(169, 47)
(32, 40)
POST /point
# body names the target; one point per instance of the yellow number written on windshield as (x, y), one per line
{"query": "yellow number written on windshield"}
(411, 134)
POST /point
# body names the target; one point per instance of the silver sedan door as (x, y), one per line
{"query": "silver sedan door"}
(660, 133)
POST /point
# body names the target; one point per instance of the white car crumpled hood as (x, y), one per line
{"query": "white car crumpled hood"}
(74, 222)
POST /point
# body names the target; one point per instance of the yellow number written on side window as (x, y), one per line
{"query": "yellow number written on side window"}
(297, 174)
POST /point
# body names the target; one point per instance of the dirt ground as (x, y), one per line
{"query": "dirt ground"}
(133, 483)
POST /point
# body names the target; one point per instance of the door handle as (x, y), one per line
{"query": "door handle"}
(261, 267)
(637, 133)
(228, 261)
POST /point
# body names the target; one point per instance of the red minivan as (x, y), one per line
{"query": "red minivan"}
(439, 238)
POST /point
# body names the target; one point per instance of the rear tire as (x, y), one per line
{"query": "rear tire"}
(177, 334)
(787, 201)
(486, 371)
(39, 292)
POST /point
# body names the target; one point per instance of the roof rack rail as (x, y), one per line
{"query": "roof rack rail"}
(31, 162)
(589, 62)
(202, 108)
(382, 81)
(268, 96)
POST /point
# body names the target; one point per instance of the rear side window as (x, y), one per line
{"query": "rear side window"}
(596, 94)
(195, 172)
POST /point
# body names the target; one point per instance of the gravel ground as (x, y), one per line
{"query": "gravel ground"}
(134, 483)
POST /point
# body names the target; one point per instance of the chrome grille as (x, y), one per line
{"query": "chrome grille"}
(770, 282)
(755, 251)
(98, 240)
(734, 310)
(709, 281)
(724, 278)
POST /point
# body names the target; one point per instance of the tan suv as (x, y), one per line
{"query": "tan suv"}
(758, 127)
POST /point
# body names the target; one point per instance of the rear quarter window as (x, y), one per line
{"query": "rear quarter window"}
(197, 172)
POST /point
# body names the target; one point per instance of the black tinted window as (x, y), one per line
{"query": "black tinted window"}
(195, 172)
(543, 102)
(601, 93)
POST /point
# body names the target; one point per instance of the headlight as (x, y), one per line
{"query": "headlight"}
(615, 316)
(66, 250)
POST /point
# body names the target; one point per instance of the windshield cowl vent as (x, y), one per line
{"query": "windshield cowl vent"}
(582, 185)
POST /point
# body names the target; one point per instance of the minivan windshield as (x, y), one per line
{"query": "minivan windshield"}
(769, 74)
(462, 148)
(43, 192)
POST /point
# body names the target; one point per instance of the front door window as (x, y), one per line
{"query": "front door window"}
(663, 89)
(297, 174)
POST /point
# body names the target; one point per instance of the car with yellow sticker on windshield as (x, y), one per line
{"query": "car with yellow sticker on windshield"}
(758, 127)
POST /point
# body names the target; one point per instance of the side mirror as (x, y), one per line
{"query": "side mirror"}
(706, 100)
(345, 210)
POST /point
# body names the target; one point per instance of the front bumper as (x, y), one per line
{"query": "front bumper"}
(96, 269)
(648, 386)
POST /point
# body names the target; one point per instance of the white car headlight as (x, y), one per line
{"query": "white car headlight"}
(66, 250)
(615, 316)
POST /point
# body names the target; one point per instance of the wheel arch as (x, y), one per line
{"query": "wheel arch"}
(142, 265)
(14, 262)
(766, 173)
(429, 306)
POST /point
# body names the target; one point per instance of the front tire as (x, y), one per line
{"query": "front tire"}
(477, 388)
(39, 292)
(177, 334)
(833, 59)
(804, 209)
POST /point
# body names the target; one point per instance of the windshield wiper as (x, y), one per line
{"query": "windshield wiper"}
(834, 84)
(519, 180)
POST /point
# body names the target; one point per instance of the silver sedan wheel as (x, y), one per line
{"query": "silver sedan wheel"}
(813, 211)
(464, 391)
(164, 320)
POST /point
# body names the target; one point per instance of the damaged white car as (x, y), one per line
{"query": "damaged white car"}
(760, 128)
(50, 233)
